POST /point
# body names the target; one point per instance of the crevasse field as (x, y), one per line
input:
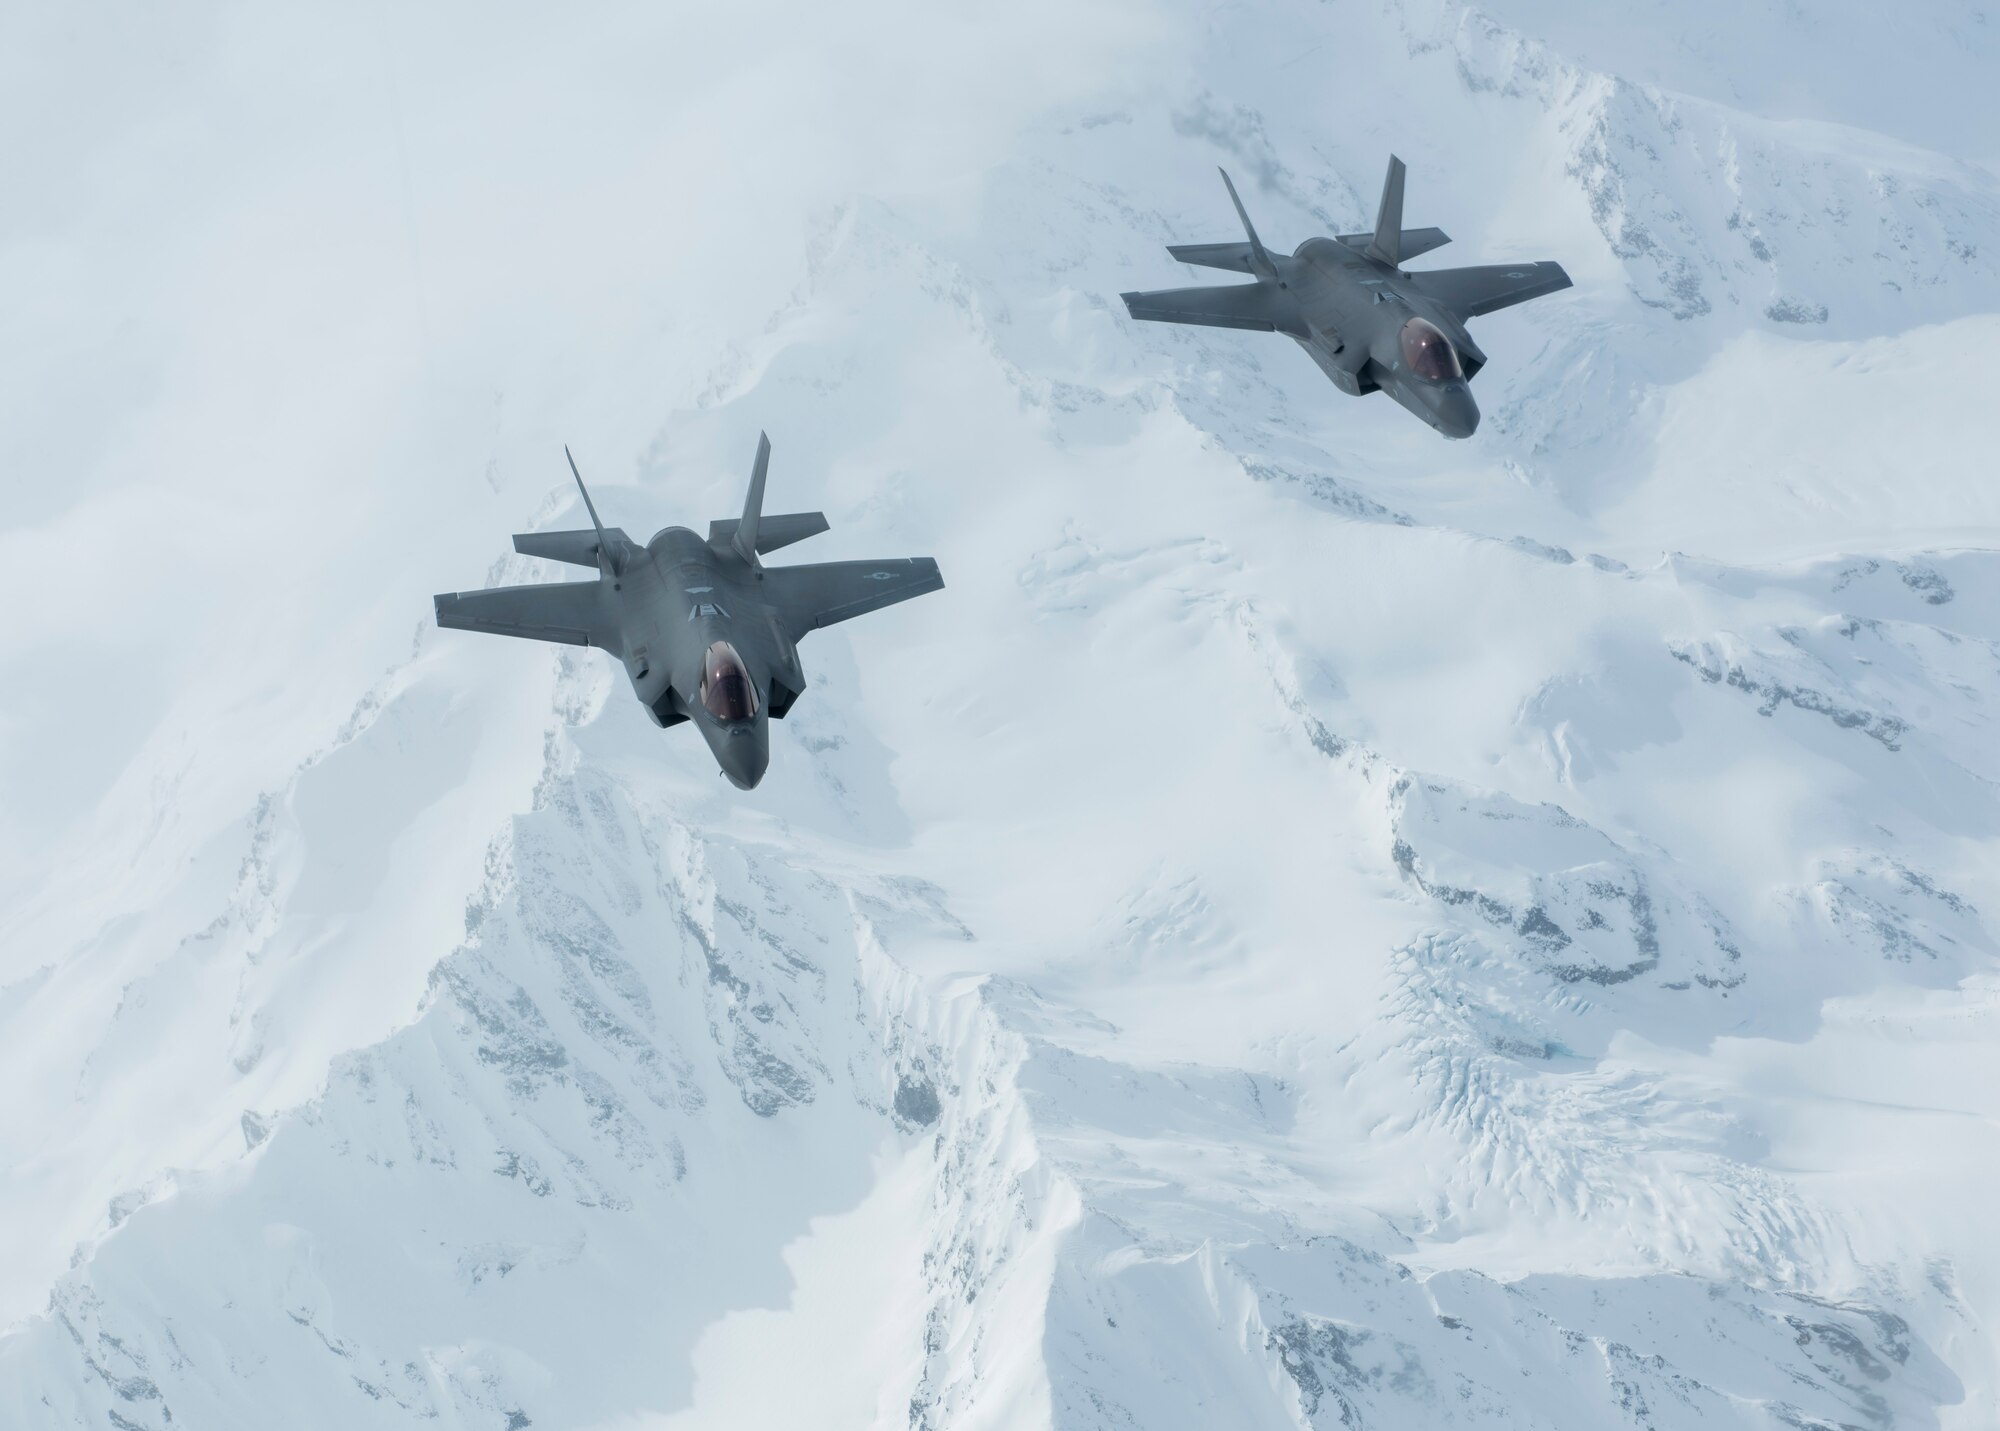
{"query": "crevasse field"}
(1315, 926)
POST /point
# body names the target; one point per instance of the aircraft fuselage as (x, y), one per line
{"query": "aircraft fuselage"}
(678, 600)
(1355, 309)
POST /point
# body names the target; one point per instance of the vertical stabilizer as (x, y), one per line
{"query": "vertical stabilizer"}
(745, 536)
(1387, 245)
(1260, 261)
(607, 555)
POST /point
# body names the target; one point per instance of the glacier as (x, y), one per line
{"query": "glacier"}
(1314, 927)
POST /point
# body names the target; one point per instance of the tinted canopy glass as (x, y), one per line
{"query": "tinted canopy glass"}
(726, 692)
(1428, 352)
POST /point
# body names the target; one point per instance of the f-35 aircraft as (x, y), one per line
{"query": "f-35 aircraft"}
(707, 632)
(1349, 303)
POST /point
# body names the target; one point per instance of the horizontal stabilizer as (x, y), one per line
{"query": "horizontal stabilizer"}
(1263, 305)
(576, 548)
(772, 532)
(1411, 243)
(1470, 292)
(1214, 255)
(575, 613)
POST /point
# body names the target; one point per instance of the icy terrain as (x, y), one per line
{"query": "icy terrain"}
(1315, 926)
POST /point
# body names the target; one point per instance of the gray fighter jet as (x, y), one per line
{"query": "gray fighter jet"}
(707, 632)
(1349, 303)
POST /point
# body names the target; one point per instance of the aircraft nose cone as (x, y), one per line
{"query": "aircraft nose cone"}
(1457, 413)
(743, 757)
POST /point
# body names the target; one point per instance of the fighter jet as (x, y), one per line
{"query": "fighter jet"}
(707, 632)
(1350, 304)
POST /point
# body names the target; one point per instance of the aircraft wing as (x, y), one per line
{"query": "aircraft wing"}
(571, 612)
(808, 597)
(1490, 287)
(1262, 305)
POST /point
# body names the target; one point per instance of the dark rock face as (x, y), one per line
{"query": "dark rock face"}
(916, 1102)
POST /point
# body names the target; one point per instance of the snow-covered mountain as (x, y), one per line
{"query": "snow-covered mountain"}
(1315, 926)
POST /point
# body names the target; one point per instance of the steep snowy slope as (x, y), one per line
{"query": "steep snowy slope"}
(1314, 926)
